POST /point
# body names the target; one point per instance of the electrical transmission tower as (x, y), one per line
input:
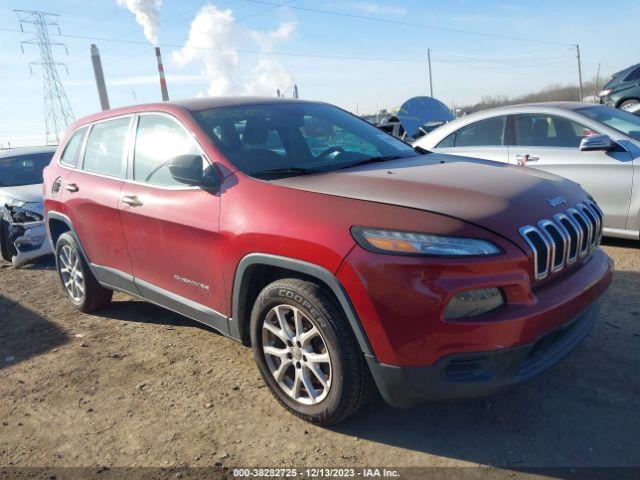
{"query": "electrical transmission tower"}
(57, 111)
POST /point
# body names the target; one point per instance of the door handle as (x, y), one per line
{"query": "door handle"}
(132, 201)
(71, 187)
(523, 159)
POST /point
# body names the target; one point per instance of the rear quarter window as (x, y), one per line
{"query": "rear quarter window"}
(448, 141)
(71, 153)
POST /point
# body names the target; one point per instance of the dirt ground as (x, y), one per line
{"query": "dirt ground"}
(136, 385)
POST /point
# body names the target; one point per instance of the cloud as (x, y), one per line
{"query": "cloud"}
(369, 8)
(267, 77)
(213, 41)
(266, 40)
(470, 18)
(147, 14)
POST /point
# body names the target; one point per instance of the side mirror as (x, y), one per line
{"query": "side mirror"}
(189, 169)
(596, 142)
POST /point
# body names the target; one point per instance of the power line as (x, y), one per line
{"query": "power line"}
(295, 54)
(409, 24)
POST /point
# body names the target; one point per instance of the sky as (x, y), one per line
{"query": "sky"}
(240, 47)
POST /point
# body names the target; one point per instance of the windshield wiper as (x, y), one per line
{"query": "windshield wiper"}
(366, 161)
(287, 171)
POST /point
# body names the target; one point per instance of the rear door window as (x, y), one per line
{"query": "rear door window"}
(71, 152)
(540, 130)
(106, 147)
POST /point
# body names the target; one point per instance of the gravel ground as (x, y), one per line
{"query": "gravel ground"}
(136, 385)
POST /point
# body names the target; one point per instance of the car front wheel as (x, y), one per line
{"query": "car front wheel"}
(307, 353)
(627, 104)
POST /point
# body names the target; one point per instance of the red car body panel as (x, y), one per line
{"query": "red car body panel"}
(399, 300)
(156, 233)
(403, 312)
(93, 209)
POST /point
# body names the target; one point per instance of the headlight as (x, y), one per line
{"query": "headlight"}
(474, 302)
(407, 243)
(15, 213)
(605, 93)
(14, 203)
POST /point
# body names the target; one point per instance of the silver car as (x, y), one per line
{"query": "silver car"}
(22, 232)
(594, 145)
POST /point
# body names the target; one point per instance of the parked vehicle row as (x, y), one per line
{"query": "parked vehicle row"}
(594, 145)
(22, 232)
(346, 259)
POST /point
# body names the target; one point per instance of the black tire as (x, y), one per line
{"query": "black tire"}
(94, 296)
(351, 384)
(628, 103)
(7, 249)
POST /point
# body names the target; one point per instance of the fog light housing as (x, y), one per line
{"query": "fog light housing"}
(471, 303)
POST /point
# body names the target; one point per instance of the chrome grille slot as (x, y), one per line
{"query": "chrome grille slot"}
(599, 218)
(572, 233)
(559, 242)
(593, 223)
(541, 250)
(585, 230)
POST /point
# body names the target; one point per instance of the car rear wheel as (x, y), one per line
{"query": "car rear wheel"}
(627, 104)
(307, 353)
(81, 287)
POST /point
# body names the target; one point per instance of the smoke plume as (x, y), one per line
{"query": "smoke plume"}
(213, 41)
(147, 13)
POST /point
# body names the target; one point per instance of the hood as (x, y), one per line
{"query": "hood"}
(496, 196)
(25, 193)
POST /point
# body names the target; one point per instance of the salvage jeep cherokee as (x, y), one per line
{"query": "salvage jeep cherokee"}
(344, 257)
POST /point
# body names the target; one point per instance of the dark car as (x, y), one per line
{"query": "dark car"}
(346, 259)
(623, 90)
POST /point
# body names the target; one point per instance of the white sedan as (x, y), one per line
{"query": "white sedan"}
(22, 232)
(594, 145)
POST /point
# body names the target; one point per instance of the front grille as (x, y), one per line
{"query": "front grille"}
(560, 241)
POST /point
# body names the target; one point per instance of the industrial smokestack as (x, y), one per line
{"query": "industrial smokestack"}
(99, 74)
(295, 91)
(163, 81)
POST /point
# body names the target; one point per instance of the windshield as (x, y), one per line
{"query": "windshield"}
(23, 169)
(286, 139)
(619, 120)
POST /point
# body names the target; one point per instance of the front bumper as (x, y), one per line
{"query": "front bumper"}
(480, 374)
(29, 243)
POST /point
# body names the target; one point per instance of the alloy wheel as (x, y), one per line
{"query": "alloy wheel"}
(296, 354)
(71, 273)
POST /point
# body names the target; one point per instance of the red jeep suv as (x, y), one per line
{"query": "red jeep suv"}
(345, 258)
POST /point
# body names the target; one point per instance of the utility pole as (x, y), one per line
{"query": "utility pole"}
(57, 110)
(99, 74)
(430, 77)
(579, 69)
(595, 87)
